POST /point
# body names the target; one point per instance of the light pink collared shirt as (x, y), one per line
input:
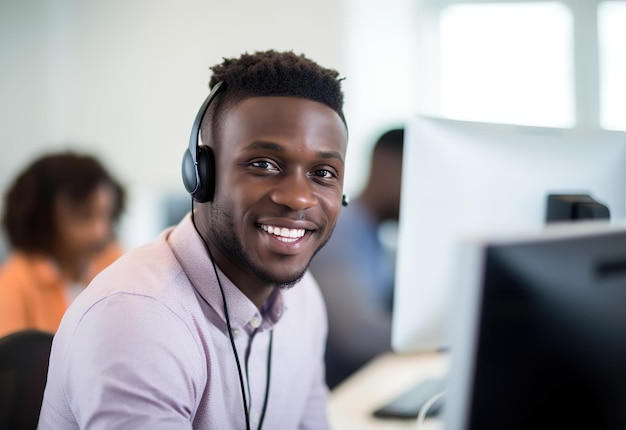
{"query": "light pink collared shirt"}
(145, 346)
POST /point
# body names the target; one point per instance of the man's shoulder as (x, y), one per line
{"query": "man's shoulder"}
(150, 271)
(155, 257)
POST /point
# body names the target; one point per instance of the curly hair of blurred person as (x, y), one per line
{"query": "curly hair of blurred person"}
(59, 217)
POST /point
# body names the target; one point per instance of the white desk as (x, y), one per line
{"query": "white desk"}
(352, 402)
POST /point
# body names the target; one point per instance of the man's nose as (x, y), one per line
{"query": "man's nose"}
(296, 192)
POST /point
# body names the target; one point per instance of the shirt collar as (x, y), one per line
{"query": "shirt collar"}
(192, 255)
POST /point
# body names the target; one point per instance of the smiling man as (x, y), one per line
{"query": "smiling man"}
(217, 324)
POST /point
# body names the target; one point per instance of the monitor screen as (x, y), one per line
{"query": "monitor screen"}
(538, 331)
(463, 178)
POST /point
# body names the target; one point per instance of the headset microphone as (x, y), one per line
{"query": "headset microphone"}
(345, 200)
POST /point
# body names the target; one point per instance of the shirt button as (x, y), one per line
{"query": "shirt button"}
(235, 331)
(255, 322)
(255, 417)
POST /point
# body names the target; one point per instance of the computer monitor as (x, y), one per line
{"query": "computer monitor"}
(464, 177)
(538, 331)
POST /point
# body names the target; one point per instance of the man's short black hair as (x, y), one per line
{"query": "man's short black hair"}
(272, 73)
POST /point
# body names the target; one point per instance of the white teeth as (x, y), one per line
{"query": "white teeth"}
(283, 232)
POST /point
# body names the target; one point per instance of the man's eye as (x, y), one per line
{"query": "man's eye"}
(323, 173)
(263, 164)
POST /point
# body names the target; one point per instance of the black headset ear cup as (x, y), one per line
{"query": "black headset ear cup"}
(190, 178)
(198, 167)
(206, 175)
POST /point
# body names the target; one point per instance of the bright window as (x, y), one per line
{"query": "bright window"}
(612, 52)
(508, 63)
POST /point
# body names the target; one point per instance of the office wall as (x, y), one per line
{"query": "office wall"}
(124, 78)
(380, 47)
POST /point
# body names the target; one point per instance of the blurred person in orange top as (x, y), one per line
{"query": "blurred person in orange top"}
(59, 217)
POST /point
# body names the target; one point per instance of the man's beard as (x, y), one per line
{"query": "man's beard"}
(223, 229)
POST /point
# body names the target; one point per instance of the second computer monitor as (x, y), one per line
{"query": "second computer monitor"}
(538, 331)
(462, 178)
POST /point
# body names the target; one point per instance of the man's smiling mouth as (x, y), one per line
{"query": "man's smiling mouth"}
(284, 234)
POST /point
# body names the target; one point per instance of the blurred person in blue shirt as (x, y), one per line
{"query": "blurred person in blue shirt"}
(355, 270)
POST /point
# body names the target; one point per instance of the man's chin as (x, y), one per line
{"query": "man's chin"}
(284, 283)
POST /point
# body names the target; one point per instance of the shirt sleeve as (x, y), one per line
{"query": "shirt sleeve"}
(133, 363)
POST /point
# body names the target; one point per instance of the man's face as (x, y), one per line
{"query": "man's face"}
(279, 180)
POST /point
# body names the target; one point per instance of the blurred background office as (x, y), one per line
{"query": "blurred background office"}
(127, 76)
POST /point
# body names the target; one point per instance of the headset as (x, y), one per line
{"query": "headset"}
(198, 166)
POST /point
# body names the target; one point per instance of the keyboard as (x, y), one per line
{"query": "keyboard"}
(408, 404)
